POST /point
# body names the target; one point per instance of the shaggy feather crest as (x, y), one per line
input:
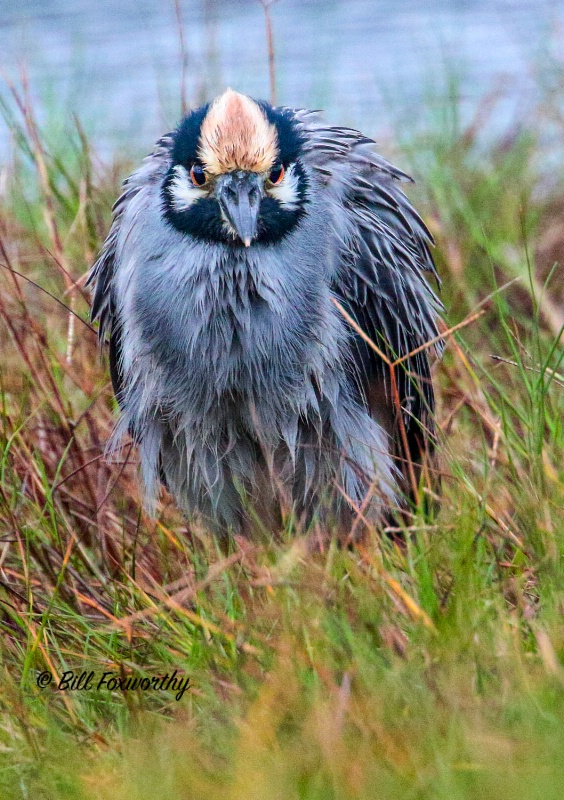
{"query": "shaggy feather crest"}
(236, 135)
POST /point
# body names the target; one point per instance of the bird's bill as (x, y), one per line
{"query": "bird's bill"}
(239, 194)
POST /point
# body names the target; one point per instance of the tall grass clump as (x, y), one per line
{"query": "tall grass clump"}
(429, 670)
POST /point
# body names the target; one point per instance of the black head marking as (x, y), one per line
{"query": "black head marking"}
(203, 219)
(187, 137)
(290, 138)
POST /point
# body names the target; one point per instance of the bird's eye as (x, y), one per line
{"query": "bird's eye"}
(276, 174)
(197, 175)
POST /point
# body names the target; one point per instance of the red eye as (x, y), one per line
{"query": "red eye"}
(276, 174)
(197, 175)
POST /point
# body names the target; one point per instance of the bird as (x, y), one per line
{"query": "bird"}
(262, 272)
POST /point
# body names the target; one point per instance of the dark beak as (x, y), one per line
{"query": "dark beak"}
(239, 195)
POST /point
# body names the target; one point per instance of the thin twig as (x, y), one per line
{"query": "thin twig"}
(183, 57)
(556, 376)
(266, 5)
(48, 293)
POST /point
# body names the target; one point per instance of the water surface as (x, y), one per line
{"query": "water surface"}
(117, 64)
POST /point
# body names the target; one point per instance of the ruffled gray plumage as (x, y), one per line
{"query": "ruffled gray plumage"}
(233, 367)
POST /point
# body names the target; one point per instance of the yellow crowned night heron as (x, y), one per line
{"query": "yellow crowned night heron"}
(234, 250)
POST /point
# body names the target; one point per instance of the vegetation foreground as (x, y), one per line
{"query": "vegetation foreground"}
(434, 670)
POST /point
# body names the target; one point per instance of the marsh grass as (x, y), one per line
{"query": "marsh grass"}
(432, 670)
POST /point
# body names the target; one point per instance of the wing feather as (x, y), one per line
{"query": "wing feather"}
(384, 263)
(101, 278)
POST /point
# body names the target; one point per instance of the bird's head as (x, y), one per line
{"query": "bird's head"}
(236, 176)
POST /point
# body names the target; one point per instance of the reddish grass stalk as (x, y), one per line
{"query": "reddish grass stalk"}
(266, 5)
(24, 104)
(183, 57)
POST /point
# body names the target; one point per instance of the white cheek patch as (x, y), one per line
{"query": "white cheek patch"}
(286, 192)
(183, 193)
